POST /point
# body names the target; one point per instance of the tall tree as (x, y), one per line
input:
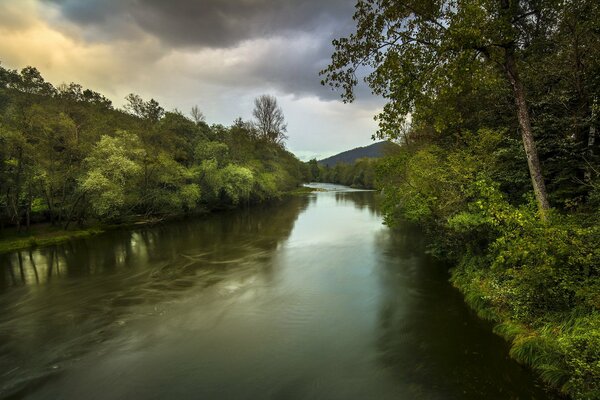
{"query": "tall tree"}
(149, 110)
(270, 122)
(409, 47)
(197, 115)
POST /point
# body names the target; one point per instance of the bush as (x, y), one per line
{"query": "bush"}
(538, 280)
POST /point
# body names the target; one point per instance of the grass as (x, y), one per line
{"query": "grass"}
(564, 350)
(39, 236)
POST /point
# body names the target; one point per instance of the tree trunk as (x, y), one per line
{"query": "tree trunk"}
(17, 192)
(48, 198)
(591, 142)
(533, 161)
(69, 217)
(28, 210)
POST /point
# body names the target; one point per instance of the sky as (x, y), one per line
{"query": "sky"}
(217, 54)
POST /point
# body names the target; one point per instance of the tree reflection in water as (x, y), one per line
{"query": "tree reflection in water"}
(248, 304)
(418, 331)
(85, 289)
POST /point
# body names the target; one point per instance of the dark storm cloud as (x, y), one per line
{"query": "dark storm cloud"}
(296, 71)
(210, 23)
(224, 24)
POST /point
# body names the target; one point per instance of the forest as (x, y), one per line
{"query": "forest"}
(68, 157)
(359, 174)
(496, 106)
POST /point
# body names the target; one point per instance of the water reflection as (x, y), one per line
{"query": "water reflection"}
(64, 299)
(362, 200)
(311, 298)
(451, 353)
(263, 227)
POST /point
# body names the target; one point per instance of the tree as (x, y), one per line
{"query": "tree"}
(148, 110)
(154, 112)
(32, 82)
(197, 115)
(135, 105)
(410, 46)
(270, 122)
(112, 168)
(314, 169)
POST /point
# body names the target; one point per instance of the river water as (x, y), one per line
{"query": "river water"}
(311, 298)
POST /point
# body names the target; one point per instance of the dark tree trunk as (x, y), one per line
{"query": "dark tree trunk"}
(28, 213)
(533, 161)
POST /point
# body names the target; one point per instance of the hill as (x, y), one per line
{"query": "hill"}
(375, 150)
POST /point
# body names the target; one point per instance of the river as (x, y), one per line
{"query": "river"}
(310, 298)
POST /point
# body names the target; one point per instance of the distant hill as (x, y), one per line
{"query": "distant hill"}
(375, 150)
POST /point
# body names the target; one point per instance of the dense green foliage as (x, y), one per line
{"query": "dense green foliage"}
(355, 168)
(463, 172)
(66, 155)
(360, 174)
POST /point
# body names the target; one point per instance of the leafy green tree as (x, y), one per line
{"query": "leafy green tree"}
(16, 173)
(169, 187)
(112, 167)
(314, 170)
(411, 45)
(149, 110)
(32, 82)
(177, 135)
(212, 150)
(56, 136)
(237, 183)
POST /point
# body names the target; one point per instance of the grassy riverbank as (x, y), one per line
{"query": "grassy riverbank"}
(548, 311)
(538, 282)
(40, 235)
(537, 279)
(43, 236)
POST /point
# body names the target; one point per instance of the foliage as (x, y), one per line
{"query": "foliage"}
(67, 156)
(111, 167)
(539, 280)
(452, 66)
(360, 174)
(452, 73)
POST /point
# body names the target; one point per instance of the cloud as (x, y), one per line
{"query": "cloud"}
(218, 54)
(205, 23)
(293, 37)
(322, 128)
(289, 65)
(17, 16)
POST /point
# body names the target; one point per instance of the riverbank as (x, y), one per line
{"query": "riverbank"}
(536, 276)
(46, 235)
(537, 282)
(37, 237)
(562, 345)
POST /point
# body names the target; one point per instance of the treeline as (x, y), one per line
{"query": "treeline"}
(360, 174)
(68, 156)
(492, 88)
